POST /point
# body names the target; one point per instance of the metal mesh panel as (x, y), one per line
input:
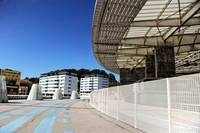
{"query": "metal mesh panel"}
(152, 109)
(167, 105)
(102, 100)
(104, 94)
(185, 103)
(99, 97)
(126, 104)
(112, 102)
(93, 101)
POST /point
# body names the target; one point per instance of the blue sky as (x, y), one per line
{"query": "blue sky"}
(38, 36)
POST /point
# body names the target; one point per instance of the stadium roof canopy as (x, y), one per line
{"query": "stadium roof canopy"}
(125, 31)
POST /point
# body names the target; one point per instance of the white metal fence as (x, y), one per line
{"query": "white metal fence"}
(169, 105)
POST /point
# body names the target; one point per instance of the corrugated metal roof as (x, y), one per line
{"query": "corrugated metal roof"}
(124, 31)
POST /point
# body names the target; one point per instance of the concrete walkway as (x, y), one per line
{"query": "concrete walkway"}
(86, 119)
(57, 116)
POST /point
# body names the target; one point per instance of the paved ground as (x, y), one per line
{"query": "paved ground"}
(57, 116)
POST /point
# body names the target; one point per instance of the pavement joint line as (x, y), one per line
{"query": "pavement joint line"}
(18, 123)
(69, 132)
(12, 113)
(14, 125)
(18, 111)
(19, 101)
(34, 105)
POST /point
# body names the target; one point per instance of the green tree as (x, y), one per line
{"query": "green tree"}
(34, 80)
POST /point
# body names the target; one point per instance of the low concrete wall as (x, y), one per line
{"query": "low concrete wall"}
(3, 90)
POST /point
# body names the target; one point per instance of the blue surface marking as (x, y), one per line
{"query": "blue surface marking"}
(67, 120)
(14, 125)
(12, 113)
(44, 105)
(19, 101)
(46, 125)
(66, 113)
(9, 114)
(69, 132)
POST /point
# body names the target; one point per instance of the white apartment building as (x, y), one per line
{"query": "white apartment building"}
(91, 83)
(67, 83)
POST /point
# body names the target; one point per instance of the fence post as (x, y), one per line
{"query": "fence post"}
(98, 100)
(107, 102)
(90, 98)
(104, 104)
(117, 102)
(102, 100)
(169, 104)
(135, 108)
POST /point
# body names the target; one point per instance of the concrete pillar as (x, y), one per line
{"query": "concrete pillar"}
(74, 95)
(159, 65)
(165, 62)
(57, 95)
(128, 76)
(150, 67)
(3, 90)
(35, 93)
(125, 76)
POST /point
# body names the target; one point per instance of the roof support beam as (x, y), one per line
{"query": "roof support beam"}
(130, 65)
(139, 62)
(151, 41)
(128, 62)
(122, 53)
(129, 58)
(186, 48)
(136, 51)
(165, 23)
(106, 53)
(187, 39)
(183, 20)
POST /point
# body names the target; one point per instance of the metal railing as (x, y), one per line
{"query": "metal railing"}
(170, 105)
